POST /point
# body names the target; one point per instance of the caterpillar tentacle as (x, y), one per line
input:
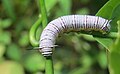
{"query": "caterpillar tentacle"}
(70, 23)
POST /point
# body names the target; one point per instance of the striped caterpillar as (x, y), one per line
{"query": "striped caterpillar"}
(67, 24)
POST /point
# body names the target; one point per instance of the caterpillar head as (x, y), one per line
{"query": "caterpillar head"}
(106, 27)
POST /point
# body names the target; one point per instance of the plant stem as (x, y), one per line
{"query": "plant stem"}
(43, 13)
(49, 61)
(49, 65)
(112, 35)
(118, 27)
(32, 34)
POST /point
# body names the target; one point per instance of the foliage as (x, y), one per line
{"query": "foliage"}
(115, 54)
(76, 54)
(111, 7)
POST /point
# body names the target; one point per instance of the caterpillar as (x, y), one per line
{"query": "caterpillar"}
(70, 23)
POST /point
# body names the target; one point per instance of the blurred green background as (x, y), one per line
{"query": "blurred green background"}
(76, 53)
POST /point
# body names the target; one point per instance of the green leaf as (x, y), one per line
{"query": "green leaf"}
(5, 23)
(115, 55)
(13, 52)
(108, 7)
(24, 39)
(83, 11)
(65, 6)
(115, 17)
(2, 59)
(9, 8)
(10, 67)
(114, 63)
(102, 60)
(50, 4)
(2, 49)
(86, 61)
(106, 12)
(34, 62)
(5, 37)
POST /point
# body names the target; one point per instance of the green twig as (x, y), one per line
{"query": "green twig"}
(49, 61)
(32, 34)
(43, 13)
(118, 36)
(112, 35)
(118, 27)
(49, 65)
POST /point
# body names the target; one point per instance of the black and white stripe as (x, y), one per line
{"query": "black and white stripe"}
(67, 24)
